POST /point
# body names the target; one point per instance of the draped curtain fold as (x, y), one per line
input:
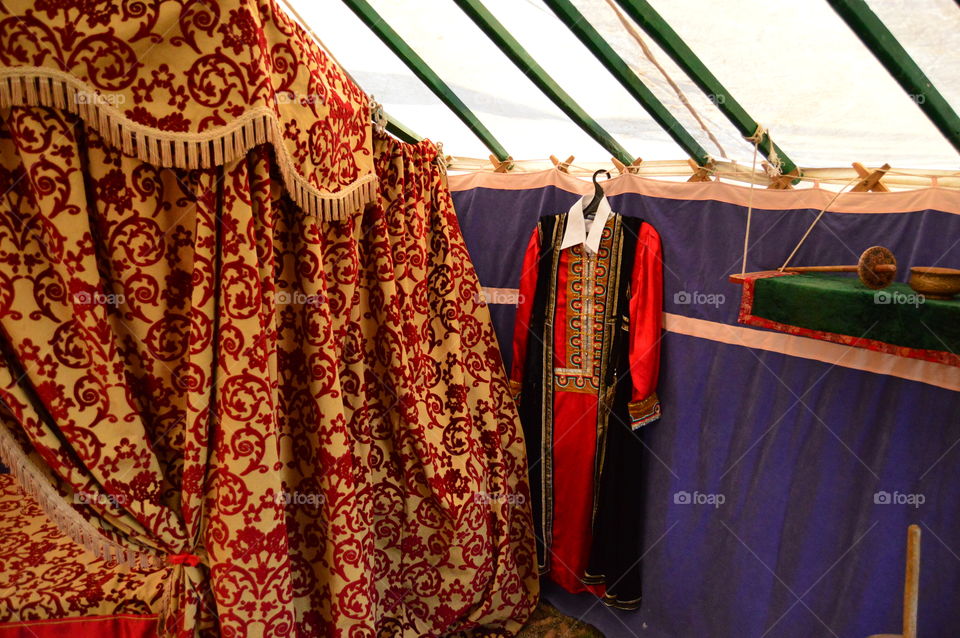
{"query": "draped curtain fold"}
(197, 85)
(305, 421)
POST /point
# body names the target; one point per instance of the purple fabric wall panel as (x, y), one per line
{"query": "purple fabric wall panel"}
(799, 451)
(497, 224)
(496, 227)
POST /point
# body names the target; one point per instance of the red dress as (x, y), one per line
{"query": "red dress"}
(601, 291)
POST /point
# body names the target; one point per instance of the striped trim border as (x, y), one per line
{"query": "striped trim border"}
(935, 374)
(934, 198)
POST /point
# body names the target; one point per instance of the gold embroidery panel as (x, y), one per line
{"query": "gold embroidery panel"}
(587, 289)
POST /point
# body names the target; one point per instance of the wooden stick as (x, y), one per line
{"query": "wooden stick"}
(804, 238)
(870, 181)
(911, 585)
(785, 181)
(700, 173)
(623, 168)
(563, 167)
(877, 268)
(501, 167)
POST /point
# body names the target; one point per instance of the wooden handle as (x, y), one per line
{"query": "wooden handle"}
(911, 586)
(877, 268)
(821, 269)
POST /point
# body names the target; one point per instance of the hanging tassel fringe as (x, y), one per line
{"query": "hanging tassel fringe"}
(34, 484)
(37, 86)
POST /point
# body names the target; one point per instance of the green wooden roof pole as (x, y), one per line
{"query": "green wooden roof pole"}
(400, 131)
(519, 56)
(877, 37)
(392, 39)
(663, 34)
(617, 66)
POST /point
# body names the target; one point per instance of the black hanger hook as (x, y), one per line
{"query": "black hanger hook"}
(597, 172)
(590, 210)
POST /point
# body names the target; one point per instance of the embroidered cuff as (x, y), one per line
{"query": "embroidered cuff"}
(515, 389)
(644, 412)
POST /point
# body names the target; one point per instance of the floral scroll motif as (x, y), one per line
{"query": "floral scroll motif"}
(194, 84)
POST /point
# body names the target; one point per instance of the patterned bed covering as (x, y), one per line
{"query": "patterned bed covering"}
(49, 585)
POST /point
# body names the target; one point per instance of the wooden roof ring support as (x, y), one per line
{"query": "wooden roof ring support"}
(700, 173)
(784, 181)
(870, 181)
(620, 70)
(422, 70)
(663, 34)
(519, 56)
(501, 166)
(623, 168)
(564, 166)
(885, 47)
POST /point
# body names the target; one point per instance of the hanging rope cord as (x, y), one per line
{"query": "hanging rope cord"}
(817, 219)
(676, 88)
(775, 161)
(755, 139)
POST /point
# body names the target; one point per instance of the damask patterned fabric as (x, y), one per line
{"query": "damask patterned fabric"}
(439, 459)
(188, 84)
(46, 575)
(139, 320)
(315, 411)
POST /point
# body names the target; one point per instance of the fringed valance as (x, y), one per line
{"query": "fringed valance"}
(196, 85)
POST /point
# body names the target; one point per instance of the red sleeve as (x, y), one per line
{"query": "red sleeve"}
(646, 318)
(521, 325)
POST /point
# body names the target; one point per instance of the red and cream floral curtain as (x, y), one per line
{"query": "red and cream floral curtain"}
(427, 519)
(300, 414)
(195, 84)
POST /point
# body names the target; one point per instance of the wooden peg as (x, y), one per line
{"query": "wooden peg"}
(623, 168)
(700, 173)
(501, 167)
(870, 181)
(563, 167)
(911, 587)
(784, 182)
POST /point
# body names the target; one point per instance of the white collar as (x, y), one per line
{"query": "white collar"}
(576, 231)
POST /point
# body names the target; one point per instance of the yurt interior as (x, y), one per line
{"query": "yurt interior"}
(479, 318)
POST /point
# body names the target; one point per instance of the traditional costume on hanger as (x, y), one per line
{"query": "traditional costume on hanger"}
(586, 354)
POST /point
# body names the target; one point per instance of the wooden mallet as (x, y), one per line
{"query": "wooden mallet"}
(877, 268)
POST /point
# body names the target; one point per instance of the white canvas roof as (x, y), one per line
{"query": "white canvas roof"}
(796, 67)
